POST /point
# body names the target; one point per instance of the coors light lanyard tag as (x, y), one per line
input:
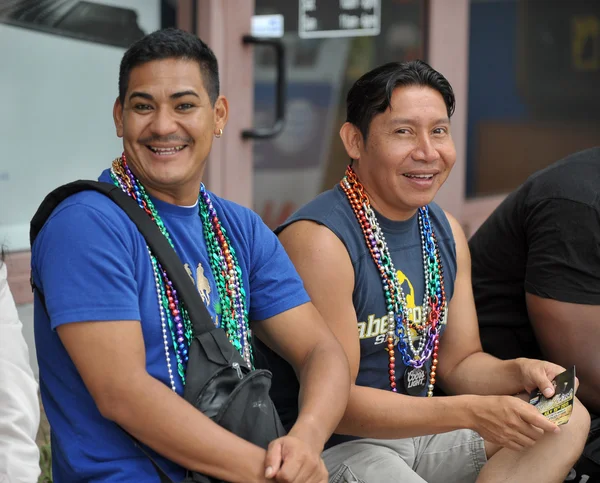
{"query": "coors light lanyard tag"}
(415, 380)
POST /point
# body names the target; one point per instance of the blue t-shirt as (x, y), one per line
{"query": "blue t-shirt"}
(92, 264)
(403, 238)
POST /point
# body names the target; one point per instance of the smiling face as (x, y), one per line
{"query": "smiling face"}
(167, 123)
(408, 153)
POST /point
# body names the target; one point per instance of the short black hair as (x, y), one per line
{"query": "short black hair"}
(372, 93)
(171, 43)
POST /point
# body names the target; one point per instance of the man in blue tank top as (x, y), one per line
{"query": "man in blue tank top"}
(389, 271)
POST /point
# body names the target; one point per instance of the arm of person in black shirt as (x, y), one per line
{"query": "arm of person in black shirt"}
(569, 334)
(562, 282)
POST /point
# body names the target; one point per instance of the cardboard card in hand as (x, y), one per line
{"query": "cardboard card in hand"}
(559, 407)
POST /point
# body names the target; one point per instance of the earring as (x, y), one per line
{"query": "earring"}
(219, 134)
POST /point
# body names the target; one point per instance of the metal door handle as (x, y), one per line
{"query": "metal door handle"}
(277, 127)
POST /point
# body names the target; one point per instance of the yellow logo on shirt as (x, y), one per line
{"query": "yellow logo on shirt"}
(378, 326)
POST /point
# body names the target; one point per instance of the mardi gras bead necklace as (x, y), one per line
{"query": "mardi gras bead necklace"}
(224, 266)
(399, 325)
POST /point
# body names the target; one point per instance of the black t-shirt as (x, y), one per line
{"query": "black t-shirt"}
(544, 239)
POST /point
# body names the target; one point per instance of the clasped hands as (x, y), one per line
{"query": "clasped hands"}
(290, 459)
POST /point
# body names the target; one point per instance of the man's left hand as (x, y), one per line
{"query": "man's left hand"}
(537, 374)
(291, 460)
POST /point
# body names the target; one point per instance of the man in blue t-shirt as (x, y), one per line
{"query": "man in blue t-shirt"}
(111, 339)
(389, 271)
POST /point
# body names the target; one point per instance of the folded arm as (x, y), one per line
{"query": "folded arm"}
(302, 338)
(110, 357)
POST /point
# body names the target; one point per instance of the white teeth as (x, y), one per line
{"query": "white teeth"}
(419, 176)
(166, 150)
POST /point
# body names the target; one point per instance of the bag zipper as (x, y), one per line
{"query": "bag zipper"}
(238, 369)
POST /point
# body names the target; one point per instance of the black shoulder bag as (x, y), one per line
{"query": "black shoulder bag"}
(218, 382)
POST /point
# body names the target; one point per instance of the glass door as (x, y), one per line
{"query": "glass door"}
(338, 42)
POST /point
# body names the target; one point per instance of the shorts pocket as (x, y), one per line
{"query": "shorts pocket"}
(344, 475)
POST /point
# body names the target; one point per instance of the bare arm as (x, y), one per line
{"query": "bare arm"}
(463, 366)
(302, 338)
(568, 334)
(110, 357)
(323, 263)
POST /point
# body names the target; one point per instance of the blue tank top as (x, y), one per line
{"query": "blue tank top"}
(332, 210)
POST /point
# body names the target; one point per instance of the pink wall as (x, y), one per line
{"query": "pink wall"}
(449, 53)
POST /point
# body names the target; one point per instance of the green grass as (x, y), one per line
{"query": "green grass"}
(45, 463)
(43, 442)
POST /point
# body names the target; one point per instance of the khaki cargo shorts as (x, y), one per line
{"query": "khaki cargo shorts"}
(454, 457)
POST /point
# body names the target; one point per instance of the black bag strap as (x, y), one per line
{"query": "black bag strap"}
(164, 478)
(162, 474)
(157, 242)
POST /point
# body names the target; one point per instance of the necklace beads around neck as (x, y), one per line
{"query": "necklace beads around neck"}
(434, 299)
(224, 266)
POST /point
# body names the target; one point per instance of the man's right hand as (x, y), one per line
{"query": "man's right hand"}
(507, 421)
(291, 460)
